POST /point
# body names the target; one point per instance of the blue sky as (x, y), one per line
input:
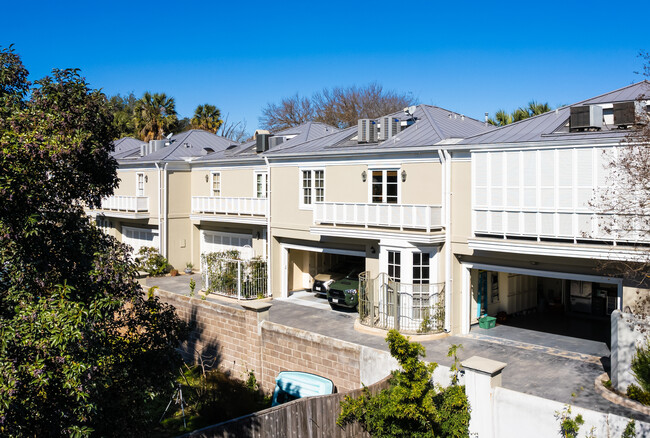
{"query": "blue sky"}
(468, 57)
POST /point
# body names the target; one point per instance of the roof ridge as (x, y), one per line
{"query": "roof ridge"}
(434, 125)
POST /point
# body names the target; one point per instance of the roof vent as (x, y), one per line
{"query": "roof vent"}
(262, 142)
(207, 151)
(390, 126)
(367, 131)
(187, 145)
(585, 118)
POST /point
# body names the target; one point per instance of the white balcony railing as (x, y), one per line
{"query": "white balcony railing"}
(426, 217)
(548, 224)
(131, 204)
(229, 206)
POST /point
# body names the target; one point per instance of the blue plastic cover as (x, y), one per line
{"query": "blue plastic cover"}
(290, 385)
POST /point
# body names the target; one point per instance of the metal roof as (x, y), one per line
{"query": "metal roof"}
(125, 147)
(552, 126)
(188, 144)
(432, 126)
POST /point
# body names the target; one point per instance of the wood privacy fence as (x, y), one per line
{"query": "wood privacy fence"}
(313, 417)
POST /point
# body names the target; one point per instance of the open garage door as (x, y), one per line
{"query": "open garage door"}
(561, 304)
(303, 264)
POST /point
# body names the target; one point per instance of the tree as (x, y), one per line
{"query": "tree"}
(291, 111)
(340, 107)
(123, 108)
(413, 405)
(502, 118)
(207, 117)
(235, 131)
(154, 115)
(81, 348)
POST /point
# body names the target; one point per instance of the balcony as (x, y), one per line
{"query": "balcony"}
(221, 209)
(134, 207)
(398, 216)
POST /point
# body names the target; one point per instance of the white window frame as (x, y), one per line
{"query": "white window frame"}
(265, 182)
(384, 170)
(312, 179)
(215, 176)
(139, 184)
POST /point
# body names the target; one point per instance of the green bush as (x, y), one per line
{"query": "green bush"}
(152, 262)
(638, 394)
(641, 366)
(569, 426)
(413, 405)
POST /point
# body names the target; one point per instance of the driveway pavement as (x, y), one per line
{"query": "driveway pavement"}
(545, 365)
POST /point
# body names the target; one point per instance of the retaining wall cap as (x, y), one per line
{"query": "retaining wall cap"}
(256, 306)
(483, 365)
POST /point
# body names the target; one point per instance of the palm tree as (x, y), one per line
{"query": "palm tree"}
(535, 108)
(501, 118)
(154, 115)
(207, 117)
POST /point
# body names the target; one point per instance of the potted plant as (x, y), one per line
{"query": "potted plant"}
(188, 267)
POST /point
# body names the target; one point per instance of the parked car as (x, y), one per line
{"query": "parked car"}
(345, 292)
(291, 385)
(324, 280)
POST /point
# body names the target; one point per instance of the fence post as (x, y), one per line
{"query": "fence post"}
(481, 377)
(239, 279)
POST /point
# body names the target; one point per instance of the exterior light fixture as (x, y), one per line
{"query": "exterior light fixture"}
(403, 175)
(146, 178)
(372, 250)
(364, 176)
(207, 178)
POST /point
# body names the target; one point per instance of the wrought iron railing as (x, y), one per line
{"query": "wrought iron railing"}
(406, 307)
(241, 279)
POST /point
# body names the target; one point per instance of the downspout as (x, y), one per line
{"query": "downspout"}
(158, 169)
(165, 215)
(445, 160)
(268, 228)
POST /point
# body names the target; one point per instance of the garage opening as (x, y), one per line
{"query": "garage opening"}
(559, 306)
(140, 237)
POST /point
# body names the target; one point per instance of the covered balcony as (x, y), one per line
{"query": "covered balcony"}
(134, 207)
(222, 209)
(398, 216)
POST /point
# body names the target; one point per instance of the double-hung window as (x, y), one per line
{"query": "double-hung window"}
(312, 187)
(385, 187)
(216, 183)
(139, 189)
(261, 185)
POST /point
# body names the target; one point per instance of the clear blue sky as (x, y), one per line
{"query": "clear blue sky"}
(462, 56)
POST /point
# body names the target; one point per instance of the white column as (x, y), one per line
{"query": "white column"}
(481, 377)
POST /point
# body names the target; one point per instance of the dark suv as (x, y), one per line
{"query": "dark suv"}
(324, 280)
(345, 292)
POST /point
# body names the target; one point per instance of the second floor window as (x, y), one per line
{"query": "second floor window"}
(261, 185)
(216, 184)
(384, 187)
(312, 186)
(139, 189)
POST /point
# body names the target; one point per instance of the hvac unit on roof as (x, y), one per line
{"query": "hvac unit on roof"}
(276, 140)
(586, 117)
(390, 126)
(262, 143)
(367, 131)
(628, 113)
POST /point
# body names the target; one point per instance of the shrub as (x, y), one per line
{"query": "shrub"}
(413, 405)
(152, 262)
(638, 394)
(569, 426)
(641, 366)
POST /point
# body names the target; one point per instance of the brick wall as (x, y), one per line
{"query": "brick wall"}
(243, 341)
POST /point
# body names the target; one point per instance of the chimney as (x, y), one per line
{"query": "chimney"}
(486, 119)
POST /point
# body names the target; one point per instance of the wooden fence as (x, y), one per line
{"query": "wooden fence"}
(313, 417)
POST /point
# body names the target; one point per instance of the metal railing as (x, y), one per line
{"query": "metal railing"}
(400, 216)
(406, 307)
(235, 206)
(241, 279)
(135, 204)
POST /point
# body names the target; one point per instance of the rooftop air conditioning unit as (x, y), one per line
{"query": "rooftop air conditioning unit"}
(275, 140)
(586, 117)
(390, 126)
(262, 143)
(627, 113)
(367, 131)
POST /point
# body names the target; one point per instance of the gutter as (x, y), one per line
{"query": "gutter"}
(445, 160)
(268, 228)
(165, 215)
(160, 242)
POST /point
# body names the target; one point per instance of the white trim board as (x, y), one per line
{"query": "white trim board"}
(546, 274)
(326, 250)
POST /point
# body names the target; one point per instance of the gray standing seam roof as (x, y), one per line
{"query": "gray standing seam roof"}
(548, 126)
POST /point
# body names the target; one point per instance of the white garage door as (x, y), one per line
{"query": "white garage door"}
(214, 241)
(139, 237)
